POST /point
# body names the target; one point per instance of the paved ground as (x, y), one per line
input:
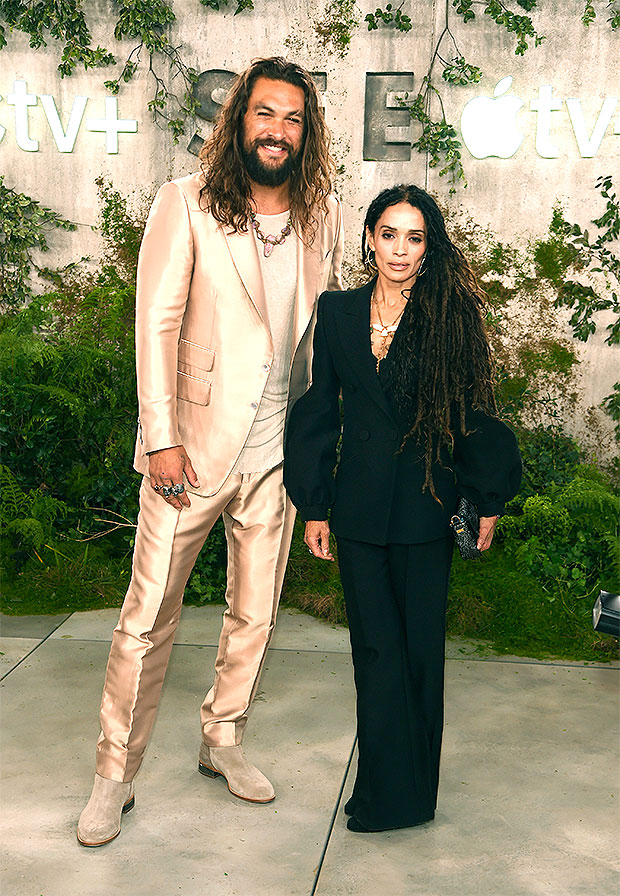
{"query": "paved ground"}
(528, 802)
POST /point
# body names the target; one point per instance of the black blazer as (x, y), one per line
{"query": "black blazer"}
(376, 495)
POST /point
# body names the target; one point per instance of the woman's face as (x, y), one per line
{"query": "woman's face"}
(399, 244)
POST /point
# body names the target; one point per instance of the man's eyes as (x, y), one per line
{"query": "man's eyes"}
(296, 121)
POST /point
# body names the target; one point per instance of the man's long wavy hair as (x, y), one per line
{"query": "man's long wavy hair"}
(442, 359)
(226, 190)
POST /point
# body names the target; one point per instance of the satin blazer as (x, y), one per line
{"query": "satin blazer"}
(203, 345)
(377, 494)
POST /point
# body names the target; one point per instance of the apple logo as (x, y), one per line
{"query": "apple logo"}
(488, 126)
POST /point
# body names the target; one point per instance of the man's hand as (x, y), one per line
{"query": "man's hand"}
(316, 537)
(487, 529)
(166, 468)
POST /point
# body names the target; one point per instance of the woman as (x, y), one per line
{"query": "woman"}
(419, 428)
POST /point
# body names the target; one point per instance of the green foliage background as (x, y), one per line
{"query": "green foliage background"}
(67, 428)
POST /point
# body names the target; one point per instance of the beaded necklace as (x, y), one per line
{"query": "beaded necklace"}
(383, 331)
(269, 240)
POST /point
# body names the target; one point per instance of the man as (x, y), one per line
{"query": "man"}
(232, 261)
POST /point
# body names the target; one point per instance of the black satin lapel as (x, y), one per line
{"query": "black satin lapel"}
(353, 325)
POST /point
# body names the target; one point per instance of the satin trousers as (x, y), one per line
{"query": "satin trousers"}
(258, 519)
(395, 597)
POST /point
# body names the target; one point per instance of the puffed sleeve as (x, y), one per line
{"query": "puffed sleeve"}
(312, 433)
(487, 463)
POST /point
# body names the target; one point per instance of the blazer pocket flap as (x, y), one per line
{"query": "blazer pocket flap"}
(193, 388)
(194, 358)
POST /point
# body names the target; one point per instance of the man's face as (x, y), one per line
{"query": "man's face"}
(273, 131)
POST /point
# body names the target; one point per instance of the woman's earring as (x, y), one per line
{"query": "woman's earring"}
(369, 260)
(421, 270)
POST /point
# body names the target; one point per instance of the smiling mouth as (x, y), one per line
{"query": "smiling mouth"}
(274, 149)
(398, 265)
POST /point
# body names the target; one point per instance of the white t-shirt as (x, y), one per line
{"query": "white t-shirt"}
(264, 448)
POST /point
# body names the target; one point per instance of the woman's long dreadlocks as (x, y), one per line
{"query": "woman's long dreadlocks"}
(442, 360)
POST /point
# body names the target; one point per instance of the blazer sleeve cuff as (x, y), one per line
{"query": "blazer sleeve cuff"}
(314, 512)
(493, 508)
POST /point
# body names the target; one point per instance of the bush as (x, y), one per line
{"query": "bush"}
(69, 498)
(67, 431)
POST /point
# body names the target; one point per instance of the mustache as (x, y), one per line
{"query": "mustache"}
(284, 144)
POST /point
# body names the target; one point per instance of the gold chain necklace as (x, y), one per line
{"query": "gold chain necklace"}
(269, 241)
(383, 331)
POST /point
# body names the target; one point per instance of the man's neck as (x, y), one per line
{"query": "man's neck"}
(270, 200)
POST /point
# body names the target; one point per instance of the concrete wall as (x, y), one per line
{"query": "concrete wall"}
(512, 196)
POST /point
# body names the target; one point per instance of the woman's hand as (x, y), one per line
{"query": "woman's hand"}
(487, 529)
(316, 537)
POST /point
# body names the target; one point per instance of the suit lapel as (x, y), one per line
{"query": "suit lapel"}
(308, 264)
(242, 247)
(353, 325)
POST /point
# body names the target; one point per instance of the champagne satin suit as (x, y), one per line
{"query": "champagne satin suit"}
(204, 352)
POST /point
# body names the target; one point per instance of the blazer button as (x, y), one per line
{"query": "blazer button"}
(254, 405)
(265, 366)
(364, 435)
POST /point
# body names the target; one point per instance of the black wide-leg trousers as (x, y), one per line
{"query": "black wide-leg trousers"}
(395, 597)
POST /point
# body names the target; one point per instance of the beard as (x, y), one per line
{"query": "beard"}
(268, 175)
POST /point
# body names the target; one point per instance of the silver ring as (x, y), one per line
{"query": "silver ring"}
(167, 491)
(157, 488)
(178, 489)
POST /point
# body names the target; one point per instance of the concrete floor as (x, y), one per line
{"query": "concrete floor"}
(528, 802)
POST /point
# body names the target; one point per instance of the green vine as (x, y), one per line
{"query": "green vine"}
(437, 138)
(218, 4)
(570, 249)
(65, 21)
(146, 21)
(389, 16)
(593, 255)
(23, 226)
(149, 22)
(589, 13)
(519, 25)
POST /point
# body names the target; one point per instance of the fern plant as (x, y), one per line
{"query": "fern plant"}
(566, 538)
(27, 517)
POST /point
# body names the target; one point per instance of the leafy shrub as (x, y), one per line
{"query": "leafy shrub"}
(27, 518)
(67, 431)
(549, 456)
(567, 537)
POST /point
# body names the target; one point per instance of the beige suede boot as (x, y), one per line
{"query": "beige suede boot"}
(244, 780)
(100, 821)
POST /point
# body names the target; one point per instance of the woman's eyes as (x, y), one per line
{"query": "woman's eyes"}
(387, 235)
